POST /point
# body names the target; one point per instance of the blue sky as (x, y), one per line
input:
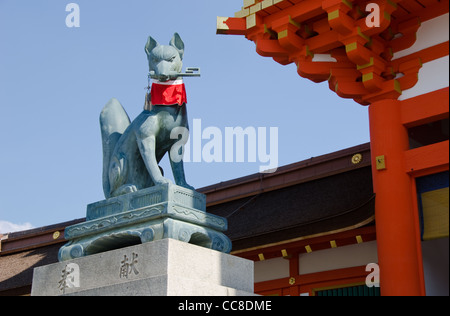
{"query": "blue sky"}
(55, 80)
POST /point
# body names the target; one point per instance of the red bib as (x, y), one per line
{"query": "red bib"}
(168, 93)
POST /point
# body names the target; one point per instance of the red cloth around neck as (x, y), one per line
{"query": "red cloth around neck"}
(168, 93)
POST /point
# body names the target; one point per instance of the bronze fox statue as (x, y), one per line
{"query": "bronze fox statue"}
(133, 150)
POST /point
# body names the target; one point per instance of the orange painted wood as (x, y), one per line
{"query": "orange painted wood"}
(425, 108)
(237, 26)
(400, 260)
(365, 72)
(427, 157)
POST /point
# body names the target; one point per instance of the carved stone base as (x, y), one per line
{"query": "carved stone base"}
(166, 211)
(164, 267)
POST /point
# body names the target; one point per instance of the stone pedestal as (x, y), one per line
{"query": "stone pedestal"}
(164, 267)
(164, 211)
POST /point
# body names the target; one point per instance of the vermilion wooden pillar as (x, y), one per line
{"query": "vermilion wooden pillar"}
(399, 253)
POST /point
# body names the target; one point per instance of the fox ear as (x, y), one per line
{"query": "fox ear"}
(151, 44)
(177, 42)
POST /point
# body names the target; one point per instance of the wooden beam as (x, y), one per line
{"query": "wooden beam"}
(427, 157)
(231, 26)
(414, 113)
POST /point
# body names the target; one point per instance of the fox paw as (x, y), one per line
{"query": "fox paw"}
(187, 186)
(125, 189)
(163, 181)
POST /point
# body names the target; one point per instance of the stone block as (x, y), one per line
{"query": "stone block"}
(164, 267)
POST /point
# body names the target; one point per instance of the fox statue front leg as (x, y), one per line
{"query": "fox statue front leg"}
(178, 174)
(147, 148)
(146, 139)
(176, 158)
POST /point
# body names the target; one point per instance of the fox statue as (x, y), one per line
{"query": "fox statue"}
(133, 150)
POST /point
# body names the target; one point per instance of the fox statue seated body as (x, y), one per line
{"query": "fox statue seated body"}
(133, 150)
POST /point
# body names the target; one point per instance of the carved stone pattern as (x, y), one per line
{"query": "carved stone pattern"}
(184, 235)
(128, 217)
(218, 244)
(146, 199)
(200, 217)
(184, 198)
(107, 209)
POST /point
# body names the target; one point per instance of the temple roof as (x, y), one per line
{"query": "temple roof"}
(308, 209)
(359, 46)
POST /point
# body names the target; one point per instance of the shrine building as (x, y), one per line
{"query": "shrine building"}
(392, 56)
(310, 229)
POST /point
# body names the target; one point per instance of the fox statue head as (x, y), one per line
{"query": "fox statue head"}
(165, 61)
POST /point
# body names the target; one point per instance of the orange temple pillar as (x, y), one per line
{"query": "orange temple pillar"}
(398, 240)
